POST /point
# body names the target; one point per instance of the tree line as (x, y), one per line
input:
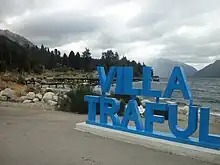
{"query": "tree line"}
(27, 59)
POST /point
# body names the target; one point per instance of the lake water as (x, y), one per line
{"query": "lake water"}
(205, 91)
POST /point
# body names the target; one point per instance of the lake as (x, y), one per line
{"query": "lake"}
(205, 91)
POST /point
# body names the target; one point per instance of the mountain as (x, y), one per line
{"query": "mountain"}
(212, 70)
(12, 54)
(16, 38)
(163, 67)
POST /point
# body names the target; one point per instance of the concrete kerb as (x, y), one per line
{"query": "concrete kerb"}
(200, 153)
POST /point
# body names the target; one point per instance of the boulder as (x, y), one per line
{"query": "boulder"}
(30, 96)
(3, 98)
(43, 81)
(143, 102)
(52, 103)
(8, 92)
(8, 77)
(183, 110)
(35, 100)
(55, 98)
(39, 96)
(140, 98)
(45, 90)
(27, 101)
(171, 102)
(16, 99)
(141, 109)
(112, 90)
(97, 90)
(38, 85)
(30, 87)
(22, 98)
(48, 96)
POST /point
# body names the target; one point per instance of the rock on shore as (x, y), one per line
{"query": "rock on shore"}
(49, 98)
(9, 93)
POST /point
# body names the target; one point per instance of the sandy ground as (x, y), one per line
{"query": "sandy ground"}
(34, 136)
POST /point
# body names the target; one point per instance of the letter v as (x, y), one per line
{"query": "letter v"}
(105, 82)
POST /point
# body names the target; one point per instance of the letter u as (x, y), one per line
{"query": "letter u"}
(192, 121)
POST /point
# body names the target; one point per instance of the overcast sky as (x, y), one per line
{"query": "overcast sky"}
(183, 30)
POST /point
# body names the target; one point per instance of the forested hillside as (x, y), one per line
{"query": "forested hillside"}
(13, 56)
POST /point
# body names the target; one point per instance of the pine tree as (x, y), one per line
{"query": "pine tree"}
(52, 61)
(65, 60)
(86, 56)
(71, 59)
(78, 61)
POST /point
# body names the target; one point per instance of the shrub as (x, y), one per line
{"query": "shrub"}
(21, 80)
(122, 108)
(38, 69)
(3, 66)
(75, 100)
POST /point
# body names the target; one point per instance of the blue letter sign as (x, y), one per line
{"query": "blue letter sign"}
(109, 108)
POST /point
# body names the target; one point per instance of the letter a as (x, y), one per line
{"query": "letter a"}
(178, 81)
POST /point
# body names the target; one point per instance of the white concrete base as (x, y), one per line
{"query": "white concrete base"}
(201, 153)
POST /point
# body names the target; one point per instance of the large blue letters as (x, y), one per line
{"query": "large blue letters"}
(128, 89)
(109, 107)
(92, 101)
(192, 122)
(106, 110)
(151, 118)
(132, 114)
(204, 135)
(177, 81)
(147, 78)
(105, 82)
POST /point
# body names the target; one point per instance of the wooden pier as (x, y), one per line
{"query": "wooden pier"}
(71, 81)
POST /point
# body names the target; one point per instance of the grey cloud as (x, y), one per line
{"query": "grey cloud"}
(107, 40)
(9, 8)
(172, 10)
(59, 29)
(161, 19)
(62, 27)
(190, 51)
